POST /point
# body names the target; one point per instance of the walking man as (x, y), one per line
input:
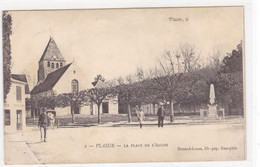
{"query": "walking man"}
(43, 122)
(161, 115)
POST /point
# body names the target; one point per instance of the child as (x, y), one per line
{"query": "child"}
(140, 117)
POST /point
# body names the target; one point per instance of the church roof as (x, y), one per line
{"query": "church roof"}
(52, 50)
(22, 78)
(50, 81)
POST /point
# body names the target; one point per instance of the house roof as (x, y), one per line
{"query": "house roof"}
(52, 50)
(22, 78)
(94, 83)
(50, 81)
(99, 84)
(19, 77)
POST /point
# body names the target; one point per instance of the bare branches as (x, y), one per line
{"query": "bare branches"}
(140, 73)
(190, 61)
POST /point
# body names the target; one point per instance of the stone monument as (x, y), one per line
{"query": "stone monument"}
(212, 112)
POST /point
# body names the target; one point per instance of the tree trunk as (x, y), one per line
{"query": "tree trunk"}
(154, 109)
(99, 116)
(179, 105)
(129, 113)
(72, 114)
(34, 115)
(229, 109)
(172, 111)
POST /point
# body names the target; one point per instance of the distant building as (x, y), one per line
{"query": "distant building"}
(55, 77)
(109, 105)
(14, 107)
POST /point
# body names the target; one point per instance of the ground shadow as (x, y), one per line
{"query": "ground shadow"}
(38, 142)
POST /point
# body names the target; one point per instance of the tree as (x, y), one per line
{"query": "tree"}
(125, 95)
(133, 94)
(166, 63)
(198, 89)
(167, 85)
(99, 77)
(48, 102)
(229, 88)
(170, 88)
(98, 95)
(215, 59)
(190, 61)
(233, 62)
(35, 103)
(73, 100)
(7, 32)
(129, 79)
(28, 104)
(140, 73)
(120, 80)
(229, 80)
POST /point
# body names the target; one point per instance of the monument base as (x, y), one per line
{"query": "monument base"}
(212, 111)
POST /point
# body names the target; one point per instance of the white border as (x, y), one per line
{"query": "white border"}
(251, 64)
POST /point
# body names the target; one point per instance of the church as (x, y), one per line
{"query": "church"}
(56, 76)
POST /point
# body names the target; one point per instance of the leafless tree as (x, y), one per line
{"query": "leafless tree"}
(167, 63)
(120, 80)
(215, 58)
(140, 73)
(129, 79)
(189, 56)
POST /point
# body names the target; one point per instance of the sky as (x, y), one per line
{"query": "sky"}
(114, 42)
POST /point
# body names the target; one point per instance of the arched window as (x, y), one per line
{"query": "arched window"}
(49, 64)
(57, 65)
(74, 86)
(61, 65)
(52, 65)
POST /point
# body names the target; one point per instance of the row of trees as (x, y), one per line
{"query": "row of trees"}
(188, 83)
(190, 86)
(73, 100)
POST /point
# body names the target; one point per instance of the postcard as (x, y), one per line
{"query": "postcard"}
(124, 85)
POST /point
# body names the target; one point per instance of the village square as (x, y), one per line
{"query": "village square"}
(62, 113)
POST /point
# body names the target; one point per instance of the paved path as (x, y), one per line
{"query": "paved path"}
(17, 151)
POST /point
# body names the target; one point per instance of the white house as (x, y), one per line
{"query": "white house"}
(14, 107)
(109, 105)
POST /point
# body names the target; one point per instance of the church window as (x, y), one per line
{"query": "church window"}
(74, 86)
(57, 65)
(49, 64)
(61, 65)
(52, 65)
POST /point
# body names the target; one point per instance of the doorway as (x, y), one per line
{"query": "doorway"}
(76, 109)
(105, 107)
(19, 122)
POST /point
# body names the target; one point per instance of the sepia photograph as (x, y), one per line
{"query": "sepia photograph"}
(132, 85)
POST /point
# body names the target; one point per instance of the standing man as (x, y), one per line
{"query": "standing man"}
(43, 122)
(161, 115)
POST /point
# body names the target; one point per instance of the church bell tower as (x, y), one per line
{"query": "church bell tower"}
(51, 60)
